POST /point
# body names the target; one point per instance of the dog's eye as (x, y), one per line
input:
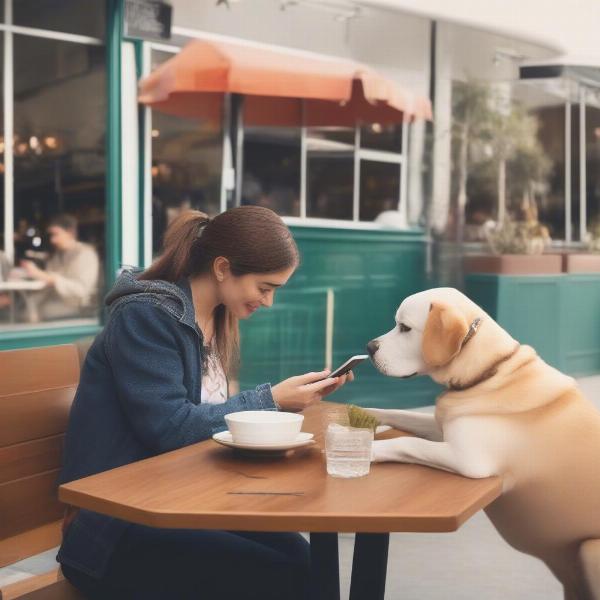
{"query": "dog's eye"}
(403, 328)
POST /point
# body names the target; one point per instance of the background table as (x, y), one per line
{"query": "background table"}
(21, 286)
(208, 486)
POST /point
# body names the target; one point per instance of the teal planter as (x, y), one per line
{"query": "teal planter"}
(559, 315)
(370, 273)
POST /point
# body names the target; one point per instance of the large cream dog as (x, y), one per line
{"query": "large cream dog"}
(505, 412)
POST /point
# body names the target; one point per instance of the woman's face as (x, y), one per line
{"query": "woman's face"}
(245, 294)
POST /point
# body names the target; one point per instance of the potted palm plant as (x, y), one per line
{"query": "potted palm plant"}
(516, 249)
(514, 165)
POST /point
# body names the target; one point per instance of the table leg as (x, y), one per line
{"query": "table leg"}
(30, 310)
(369, 566)
(13, 308)
(325, 565)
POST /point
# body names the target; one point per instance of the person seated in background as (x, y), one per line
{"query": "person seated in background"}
(71, 274)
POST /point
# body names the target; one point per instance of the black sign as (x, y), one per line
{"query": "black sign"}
(148, 19)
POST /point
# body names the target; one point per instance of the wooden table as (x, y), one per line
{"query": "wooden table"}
(208, 486)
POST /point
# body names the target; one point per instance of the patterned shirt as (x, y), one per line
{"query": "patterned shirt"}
(214, 381)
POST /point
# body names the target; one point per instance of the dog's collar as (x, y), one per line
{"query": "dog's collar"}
(472, 331)
(487, 374)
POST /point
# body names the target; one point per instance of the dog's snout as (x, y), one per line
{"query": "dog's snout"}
(372, 347)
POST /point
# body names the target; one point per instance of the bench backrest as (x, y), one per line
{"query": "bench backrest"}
(37, 387)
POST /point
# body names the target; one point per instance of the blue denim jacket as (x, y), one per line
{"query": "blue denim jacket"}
(138, 396)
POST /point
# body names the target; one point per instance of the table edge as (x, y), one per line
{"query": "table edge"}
(280, 521)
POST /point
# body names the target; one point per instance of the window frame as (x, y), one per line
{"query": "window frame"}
(23, 334)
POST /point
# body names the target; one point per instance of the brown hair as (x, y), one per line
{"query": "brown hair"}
(252, 238)
(64, 221)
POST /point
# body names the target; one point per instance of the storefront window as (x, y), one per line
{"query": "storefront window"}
(380, 193)
(83, 17)
(272, 169)
(330, 173)
(381, 137)
(551, 136)
(330, 184)
(592, 145)
(187, 159)
(186, 169)
(59, 173)
(331, 156)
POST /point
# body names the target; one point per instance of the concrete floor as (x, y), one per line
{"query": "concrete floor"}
(473, 563)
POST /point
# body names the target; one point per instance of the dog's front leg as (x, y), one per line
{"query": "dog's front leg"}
(420, 424)
(440, 455)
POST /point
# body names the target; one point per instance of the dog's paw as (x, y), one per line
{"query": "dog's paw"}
(388, 450)
(380, 414)
(376, 455)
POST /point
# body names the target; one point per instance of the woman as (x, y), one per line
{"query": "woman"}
(155, 379)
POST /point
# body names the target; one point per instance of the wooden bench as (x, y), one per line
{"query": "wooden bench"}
(37, 387)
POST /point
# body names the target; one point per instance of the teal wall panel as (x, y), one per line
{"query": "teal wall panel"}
(535, 321)
(559, 315)
(582, 324)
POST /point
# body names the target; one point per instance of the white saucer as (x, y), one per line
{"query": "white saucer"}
(303, 439)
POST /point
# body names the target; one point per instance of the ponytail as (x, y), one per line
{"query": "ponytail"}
(181, 236)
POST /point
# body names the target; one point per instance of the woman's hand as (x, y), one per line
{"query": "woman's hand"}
(297, 393)
(31, 269)
(349, 376)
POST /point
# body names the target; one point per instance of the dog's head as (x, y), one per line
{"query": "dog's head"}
(431, 331)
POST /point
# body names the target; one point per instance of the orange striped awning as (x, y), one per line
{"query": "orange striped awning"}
(285, 88)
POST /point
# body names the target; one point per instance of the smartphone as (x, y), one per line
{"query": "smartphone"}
(348, 365)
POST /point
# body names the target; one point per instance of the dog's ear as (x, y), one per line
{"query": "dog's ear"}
(444, 333)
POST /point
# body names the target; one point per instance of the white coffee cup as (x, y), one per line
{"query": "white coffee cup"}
(263, 426)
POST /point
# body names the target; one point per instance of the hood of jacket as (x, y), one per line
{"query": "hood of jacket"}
(175, 298)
